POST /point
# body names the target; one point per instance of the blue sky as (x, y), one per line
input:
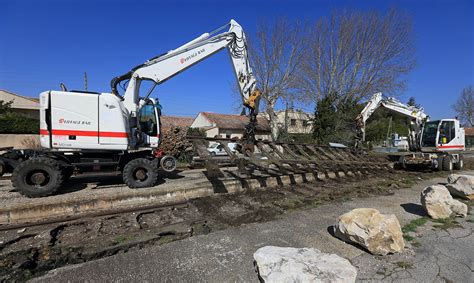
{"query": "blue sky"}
(43, 43)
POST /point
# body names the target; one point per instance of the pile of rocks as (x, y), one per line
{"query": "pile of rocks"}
(439, 203)
(379, 234)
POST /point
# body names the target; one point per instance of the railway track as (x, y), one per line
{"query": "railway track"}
(287, 158)
(72, 218)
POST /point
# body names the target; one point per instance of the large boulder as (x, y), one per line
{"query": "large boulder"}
(440, 204)
(280, 264)
(461, 186)
(378, 233)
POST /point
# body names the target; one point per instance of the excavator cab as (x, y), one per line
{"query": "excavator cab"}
(430, 130)
(149, 125)
(443, 135)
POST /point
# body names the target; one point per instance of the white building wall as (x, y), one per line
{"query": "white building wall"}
(21, 105)
(212, 132)
(298, 122)
(18, 101)
(201, 121)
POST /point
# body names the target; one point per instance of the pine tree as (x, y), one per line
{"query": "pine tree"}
(325, 120)
(412, 102)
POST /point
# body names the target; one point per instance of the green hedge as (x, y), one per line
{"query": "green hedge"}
(14, 123)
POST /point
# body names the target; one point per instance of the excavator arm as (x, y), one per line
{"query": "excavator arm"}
(161, 68)
(416, 115)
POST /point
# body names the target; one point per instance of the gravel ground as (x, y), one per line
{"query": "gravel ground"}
(437, 252)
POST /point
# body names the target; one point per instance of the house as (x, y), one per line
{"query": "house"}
(229, 126)
(296, 121)
(27, 106)
(469, 137)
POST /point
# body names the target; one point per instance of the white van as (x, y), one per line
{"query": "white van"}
(218, 149)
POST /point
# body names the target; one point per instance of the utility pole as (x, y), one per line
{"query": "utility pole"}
(85, 80)
(286, 118)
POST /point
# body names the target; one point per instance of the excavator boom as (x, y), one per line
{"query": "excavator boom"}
(161, 68)
(415, 114)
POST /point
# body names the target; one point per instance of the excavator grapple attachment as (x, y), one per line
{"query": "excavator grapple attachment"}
(276, 158)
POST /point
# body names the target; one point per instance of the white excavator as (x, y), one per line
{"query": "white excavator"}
(84, 131)
(438, 144)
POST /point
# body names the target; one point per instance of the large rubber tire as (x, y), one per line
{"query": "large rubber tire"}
(37, 177)
(447, 163)
(402, 162)
(460, 164)
(439, 167)
(140, 173)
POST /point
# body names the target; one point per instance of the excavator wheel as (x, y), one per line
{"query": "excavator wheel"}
(460, 164)
(402, 164)
(447, 163)
(37, 177)
(168, 163)
(140, 173)
(439, 166)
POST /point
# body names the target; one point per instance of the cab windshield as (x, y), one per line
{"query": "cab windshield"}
(147, 120)
(429, 134)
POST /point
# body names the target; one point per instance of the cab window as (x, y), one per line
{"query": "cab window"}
(446, 132)
(147, 120)
(429, 134)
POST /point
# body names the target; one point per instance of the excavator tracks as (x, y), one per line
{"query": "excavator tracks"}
(277, 158)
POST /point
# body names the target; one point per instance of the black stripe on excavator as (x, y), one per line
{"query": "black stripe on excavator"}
(48, 120)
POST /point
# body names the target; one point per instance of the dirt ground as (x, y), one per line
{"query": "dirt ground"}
(435, 251)
(30, 252)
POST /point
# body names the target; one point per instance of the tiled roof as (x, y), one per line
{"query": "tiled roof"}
(235, 122)
(34, 99)
(469, 131)
(175, 121)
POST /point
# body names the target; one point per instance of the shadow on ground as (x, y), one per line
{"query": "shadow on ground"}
(331, 230)
(414, 208)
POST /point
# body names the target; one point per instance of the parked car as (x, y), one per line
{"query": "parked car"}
(218, 149)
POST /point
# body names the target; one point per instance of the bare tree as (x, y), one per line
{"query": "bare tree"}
(275, 53)
(464, 106)
(355, 54)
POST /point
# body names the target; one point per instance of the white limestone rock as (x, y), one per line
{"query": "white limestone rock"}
(461, 186)
(380, 234)
(440, 204)
(286, 264)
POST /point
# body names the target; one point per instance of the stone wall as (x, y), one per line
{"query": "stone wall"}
(19, 141)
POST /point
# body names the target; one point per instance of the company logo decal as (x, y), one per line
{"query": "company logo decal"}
(191, 56)
(74, 122)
